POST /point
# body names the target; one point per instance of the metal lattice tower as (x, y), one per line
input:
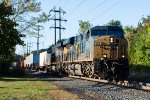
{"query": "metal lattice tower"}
(55, 19)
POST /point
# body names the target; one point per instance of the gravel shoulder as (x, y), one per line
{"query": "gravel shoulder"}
(87, 90)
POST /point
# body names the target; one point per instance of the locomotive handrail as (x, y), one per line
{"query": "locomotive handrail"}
(113, 67)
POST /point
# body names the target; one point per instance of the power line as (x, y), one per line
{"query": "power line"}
(106, 10)
(81, 2)
(57, 2)
(65, 4)
(99, 5)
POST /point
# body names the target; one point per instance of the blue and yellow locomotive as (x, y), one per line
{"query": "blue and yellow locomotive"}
(99, 52)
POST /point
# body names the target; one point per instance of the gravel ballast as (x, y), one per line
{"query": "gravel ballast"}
(87, 90)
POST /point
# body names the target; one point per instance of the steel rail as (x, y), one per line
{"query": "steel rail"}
(126, 83)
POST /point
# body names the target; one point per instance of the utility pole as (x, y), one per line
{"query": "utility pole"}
(38, 40)
(60, 19)
(55, 23)
(38, 37)
(28, 47)
(59, 23)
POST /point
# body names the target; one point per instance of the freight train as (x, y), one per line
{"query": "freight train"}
(99, 52)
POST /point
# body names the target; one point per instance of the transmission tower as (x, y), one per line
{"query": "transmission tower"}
(38, 37)
(37, 28)
(28, 47)
(55, 19)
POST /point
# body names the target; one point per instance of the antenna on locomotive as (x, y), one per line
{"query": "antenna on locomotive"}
(60, 19)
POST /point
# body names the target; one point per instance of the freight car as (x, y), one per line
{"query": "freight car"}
(32, 61)
(99, 52)
(44, 60)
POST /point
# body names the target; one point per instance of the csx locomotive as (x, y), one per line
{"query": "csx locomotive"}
(99, 52)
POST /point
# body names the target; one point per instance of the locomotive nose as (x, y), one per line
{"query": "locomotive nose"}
(110, 48)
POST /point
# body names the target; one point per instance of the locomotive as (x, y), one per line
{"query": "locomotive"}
(100, 52)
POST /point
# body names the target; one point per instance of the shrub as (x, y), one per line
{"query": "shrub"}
(139, 68)
(4, 67)
(17, 72)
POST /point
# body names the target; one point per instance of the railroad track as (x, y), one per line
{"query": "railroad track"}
(128, 84)
(89, 90)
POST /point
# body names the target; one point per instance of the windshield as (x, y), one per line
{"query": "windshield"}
(99, 32)
(116, 33)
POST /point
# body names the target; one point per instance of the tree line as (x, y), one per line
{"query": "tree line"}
(139, 42)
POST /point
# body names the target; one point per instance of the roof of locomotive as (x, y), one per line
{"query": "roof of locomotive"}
(71, 40)
(68, 41)
(107, 30)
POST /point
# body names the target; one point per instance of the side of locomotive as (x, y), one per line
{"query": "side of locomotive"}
(100, 52)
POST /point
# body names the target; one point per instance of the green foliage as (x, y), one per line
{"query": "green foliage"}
(22, 9)
(115, 23)
(129, 33)
(17, 72)
(84, 26)
(4, 67)
(9, 36)
(141, 50)
(139, 43)
(139, 73)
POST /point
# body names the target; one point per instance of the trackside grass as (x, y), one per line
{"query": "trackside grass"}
(31, 89)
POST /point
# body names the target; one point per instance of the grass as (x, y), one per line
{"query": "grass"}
(31, 89)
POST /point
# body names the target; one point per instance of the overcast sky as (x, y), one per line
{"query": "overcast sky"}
(97, 12)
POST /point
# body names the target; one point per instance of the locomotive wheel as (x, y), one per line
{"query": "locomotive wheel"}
(88, 70)
(96, 76)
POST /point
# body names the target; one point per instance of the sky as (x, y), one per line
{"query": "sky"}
(97, 12)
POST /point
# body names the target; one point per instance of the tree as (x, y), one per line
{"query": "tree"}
(84, 26)
(140, 41)
(146, 23)
(9, 36)
(129, 33)
(22, 12)
(115, 23)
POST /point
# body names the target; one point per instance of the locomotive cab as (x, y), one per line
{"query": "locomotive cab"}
(110, 52)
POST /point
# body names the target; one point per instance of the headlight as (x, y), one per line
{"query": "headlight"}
(122, 56)
(104, 55)
(111, 39)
